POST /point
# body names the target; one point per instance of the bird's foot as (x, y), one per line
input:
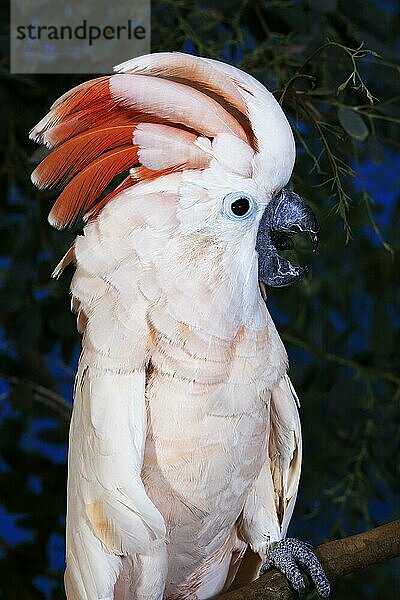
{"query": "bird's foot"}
(288, 556)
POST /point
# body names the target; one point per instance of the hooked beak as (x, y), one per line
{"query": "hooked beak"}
(284, 216)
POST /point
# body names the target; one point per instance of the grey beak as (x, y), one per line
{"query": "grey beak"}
(284, 216)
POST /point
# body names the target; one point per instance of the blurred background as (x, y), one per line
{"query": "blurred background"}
(332, 64)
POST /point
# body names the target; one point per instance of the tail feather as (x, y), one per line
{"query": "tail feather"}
(91, 573)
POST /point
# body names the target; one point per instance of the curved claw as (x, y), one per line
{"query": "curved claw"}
(287, 555)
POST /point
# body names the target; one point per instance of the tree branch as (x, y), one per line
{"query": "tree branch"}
(339, 557)
(45, 396)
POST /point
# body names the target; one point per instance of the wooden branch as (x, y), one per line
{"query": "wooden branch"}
(339, 557)
(45, 396)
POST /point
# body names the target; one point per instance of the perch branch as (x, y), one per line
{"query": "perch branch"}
(339, 557)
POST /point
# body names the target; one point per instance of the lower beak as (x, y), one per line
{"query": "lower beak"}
(286, 215)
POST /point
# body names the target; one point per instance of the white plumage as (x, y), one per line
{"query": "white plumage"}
(185, 443)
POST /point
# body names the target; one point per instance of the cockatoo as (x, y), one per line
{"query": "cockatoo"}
(185, 440)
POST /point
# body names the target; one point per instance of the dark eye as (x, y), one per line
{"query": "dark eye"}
(238, 206)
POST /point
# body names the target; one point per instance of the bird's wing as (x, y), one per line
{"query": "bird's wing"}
(285, 450)
(271, 501)
(109, 514)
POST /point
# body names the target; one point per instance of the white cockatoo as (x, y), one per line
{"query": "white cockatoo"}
(185, 440)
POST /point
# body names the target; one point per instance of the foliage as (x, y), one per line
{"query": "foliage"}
(323, 60)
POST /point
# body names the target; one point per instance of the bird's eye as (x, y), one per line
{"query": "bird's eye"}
(238, 206)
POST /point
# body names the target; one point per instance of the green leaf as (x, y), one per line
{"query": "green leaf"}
(342, 86)
(352, 123)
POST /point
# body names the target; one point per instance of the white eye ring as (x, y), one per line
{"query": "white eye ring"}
(238, 206)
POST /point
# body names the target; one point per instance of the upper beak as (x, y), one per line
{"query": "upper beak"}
(284, 216)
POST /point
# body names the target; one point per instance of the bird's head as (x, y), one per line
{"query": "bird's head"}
(201, 135)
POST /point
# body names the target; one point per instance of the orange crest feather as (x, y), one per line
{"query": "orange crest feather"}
(91, 130)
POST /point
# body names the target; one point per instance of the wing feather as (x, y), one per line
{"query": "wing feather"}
(270, 504)
(109, 514)
(285, 450)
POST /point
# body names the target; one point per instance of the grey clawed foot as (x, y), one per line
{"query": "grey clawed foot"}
(290, 554)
